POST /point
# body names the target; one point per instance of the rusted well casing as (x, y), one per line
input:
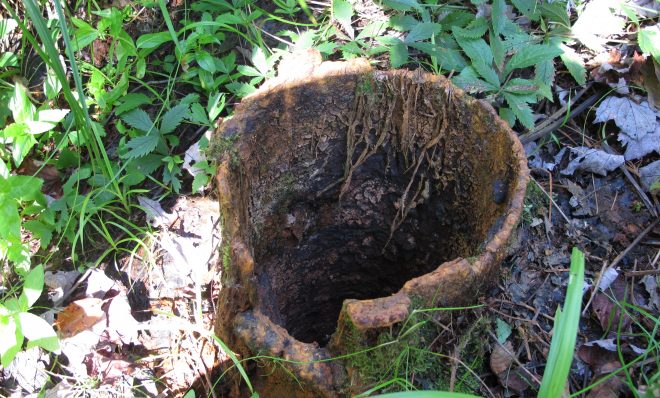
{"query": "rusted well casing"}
(347, 194)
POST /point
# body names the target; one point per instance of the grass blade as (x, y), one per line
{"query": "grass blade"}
(562, 346)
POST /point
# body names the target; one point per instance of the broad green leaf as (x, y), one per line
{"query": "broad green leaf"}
(498, 14)
(20, 105)
(520, 108)
(215, 105)
(503, 330)
(507, 115)
(138, 119)
(52, 116)
(487, 72)
(531, 55)
(476, 49)
(521, 86)
(247, 70)
(7, 25)
(499, 52)
(84, 34)
(398, 55)
(11, 340)
(141, 146)
(402, 22)
(402, 5)
(259, 60)
(342, 11)
(41, 230)
(469, 81)
(545, 72)
(153, 40)
(372, 29)
(423, 31)
(529, 8)
(199, 181)
(649, 41)
(574, 64)
(131, 101)
(173, 118)
(39, 332)
(205, 60)
(241, 89)
(33, 285)
(471, 31)
(10, 228)
(198, 114)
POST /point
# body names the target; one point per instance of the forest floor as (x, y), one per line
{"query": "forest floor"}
(134, 309)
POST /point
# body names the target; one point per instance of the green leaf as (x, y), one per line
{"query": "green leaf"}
(11, 340)
(342, 11)
(21, 108)
(398, 54)
(574, 64)
(39, 332)
(499, 52)
(529, 8)
(132, 101)
(52, 85)
(507, 115)
(33, 285)
(498, 14)
(423, 31)
(205, 60)
(519, 107)
(199, 181)
(41, 230)
(402, 5)
(531, 55)
(521, 86)
(259, 61)
(198, 114)
(84, 35)
(141, 146)
(139, 119)
(471, 31)
(7, 25)
(173, 118)
(503, 330)
(649, 41)
(476, 49)
(488, 73)
(8, 59)
(469, 81)
(153, 40)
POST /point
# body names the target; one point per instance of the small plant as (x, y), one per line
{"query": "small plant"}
(17, 323)
(565, 332)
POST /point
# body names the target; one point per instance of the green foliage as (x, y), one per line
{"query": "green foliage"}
(18, 324)
(565, 331)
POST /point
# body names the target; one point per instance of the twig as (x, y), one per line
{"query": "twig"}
(647, 202)
(551, 200)
(595, 289)
(642, 273)
(634, 243)
(550, 127)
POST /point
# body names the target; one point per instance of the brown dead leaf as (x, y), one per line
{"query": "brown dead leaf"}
(501, 358)
(606, 308)
(78, 316)
(612, 387)
(52, 184)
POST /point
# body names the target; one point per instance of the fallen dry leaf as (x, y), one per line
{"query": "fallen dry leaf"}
(607, 311)
(78, 316)
(501, 358)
